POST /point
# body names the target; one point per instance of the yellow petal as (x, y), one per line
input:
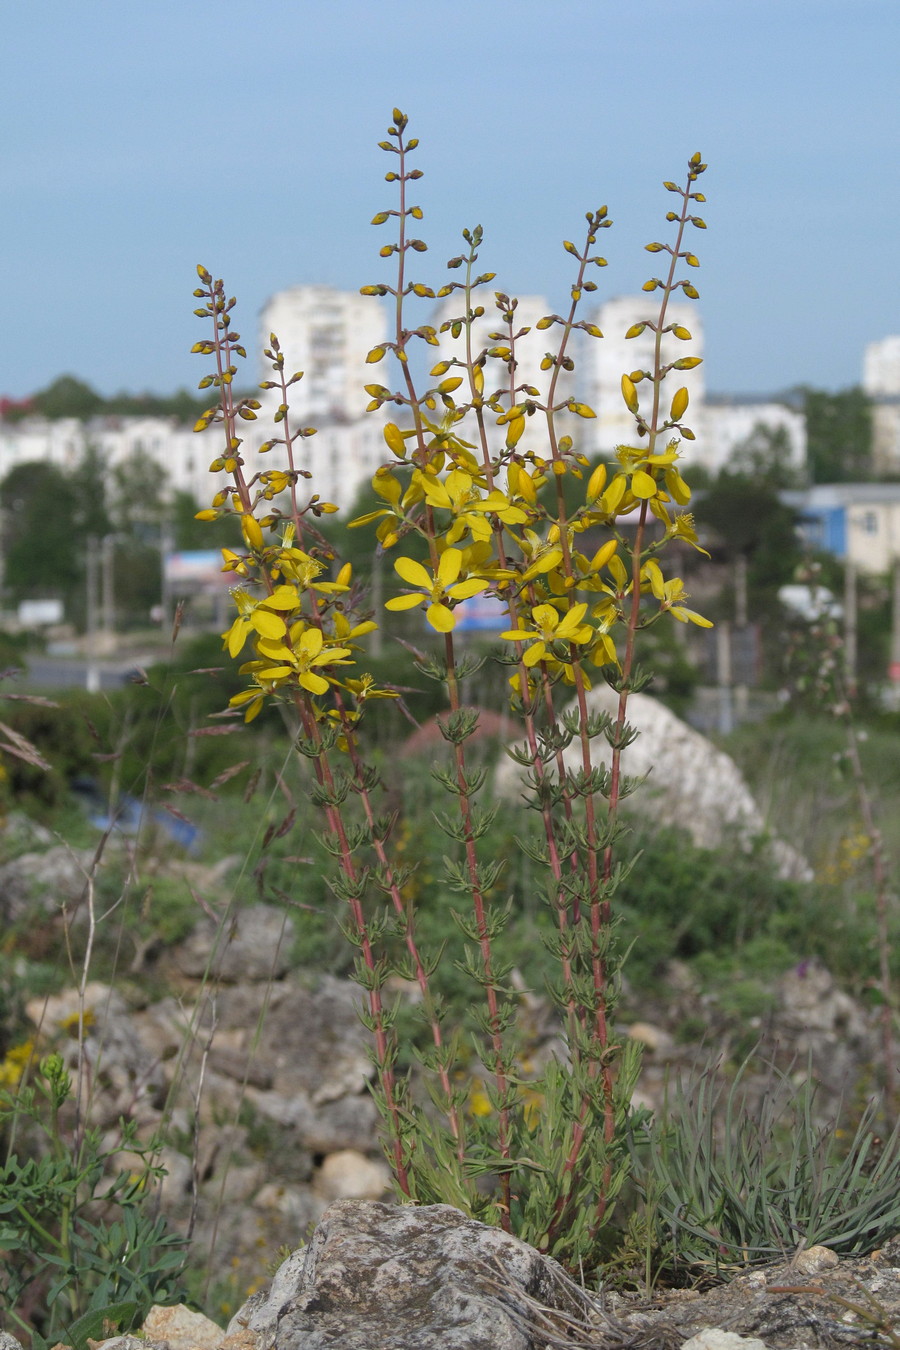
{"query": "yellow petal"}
(643, 484)
(404, 602)
(441, 618)
(449, 566)
(603, 555)
(464, 589)
(393, 437)
(534, 654)
(413, 572)
(236, 636)
(267, 624)
(314, 683)
(283, 597)
(310, 643)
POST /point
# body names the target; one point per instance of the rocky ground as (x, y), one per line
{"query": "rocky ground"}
(379, 1277)
(257, 1075)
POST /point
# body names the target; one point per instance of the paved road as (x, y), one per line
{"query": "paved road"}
(73, 672)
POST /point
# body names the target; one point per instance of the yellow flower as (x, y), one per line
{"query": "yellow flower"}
(671, 594)
(261, 616)
(549, 628)
(307, 651)
(435, 591)
(366, 688)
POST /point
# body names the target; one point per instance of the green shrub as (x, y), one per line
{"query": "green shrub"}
(78, 1238)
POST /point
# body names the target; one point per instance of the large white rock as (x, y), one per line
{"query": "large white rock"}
(689, 783)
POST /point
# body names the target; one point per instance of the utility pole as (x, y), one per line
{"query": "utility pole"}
(894, 667)
(166, 545)
(741, 692)
(850, 595)
(723, 665)
(92, 670)
(108, 600)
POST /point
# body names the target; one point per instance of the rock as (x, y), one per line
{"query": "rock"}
(50, 881)
(19, 833)
(690, 784)
(175, 1184)
(126, 1080)
(297, 1204)
(255, 945)
(812, 1002)
(259, 1315)
(182, 1328)
(655, 1039)
(824, 1025)
(130, 1341)
(403, 1278)
(316, 1051)
(815, 1259)
(349, 1175)
(711, 1338)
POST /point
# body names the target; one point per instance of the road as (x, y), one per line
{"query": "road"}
(71, 672)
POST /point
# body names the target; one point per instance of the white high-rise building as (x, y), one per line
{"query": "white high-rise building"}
(327, 334)
(881, 368)
(881, 381)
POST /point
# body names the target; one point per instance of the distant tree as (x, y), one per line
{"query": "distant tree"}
(137, 497)
(67, 397)
(183, 405)
(43, 548)
(752, 522)
(89, 493)
(839, 435)
(765, 457)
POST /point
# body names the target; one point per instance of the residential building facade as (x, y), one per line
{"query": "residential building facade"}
(857, 522)
(327, 334)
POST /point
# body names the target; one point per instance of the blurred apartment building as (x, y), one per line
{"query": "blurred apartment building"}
(881, 381)
(722, 425)
(327, 334)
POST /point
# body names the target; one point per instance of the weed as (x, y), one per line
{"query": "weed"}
(477, 491)
(79, 1244)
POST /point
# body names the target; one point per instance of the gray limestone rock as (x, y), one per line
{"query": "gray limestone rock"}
(256, 945)
(315, 1050)
(403, 1278)
(49, 881)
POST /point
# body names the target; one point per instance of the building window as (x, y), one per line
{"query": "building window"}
(869, 522)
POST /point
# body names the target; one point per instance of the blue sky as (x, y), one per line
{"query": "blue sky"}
(141, 139)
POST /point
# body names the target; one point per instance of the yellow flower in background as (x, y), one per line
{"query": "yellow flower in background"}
(14, 1065)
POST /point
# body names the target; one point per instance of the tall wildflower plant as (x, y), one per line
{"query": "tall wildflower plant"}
(542, 1157)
